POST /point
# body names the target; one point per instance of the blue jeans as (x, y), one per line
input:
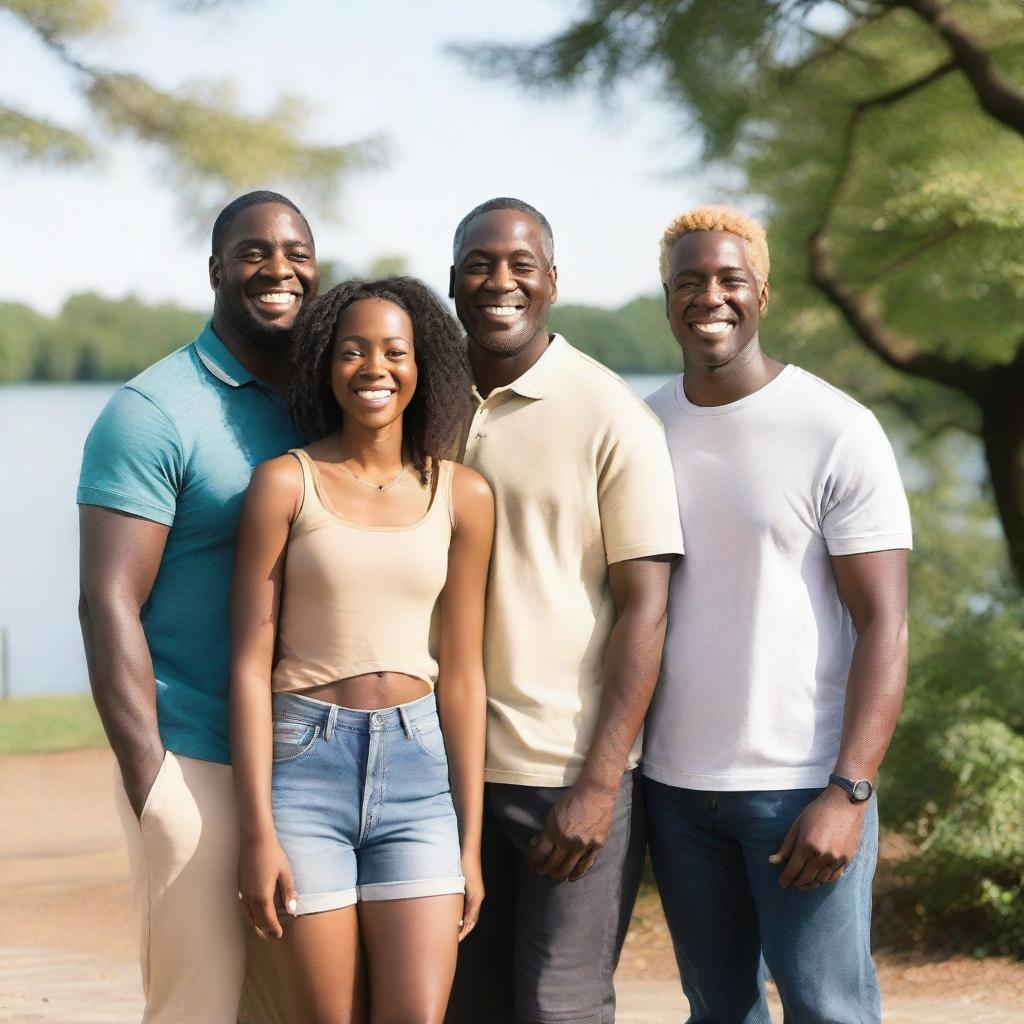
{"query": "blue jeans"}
(729, 918)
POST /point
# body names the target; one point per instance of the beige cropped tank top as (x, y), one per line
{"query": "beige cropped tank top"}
(357, 598)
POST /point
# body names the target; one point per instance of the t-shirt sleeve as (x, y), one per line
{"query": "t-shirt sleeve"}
(133, 460)
(636, 491)
(866, 505)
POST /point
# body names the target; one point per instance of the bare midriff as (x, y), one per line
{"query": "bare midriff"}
(371, 691)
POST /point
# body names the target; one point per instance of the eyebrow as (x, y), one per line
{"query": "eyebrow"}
(359, 337)
(263, 243)
(515, 252)
(700, 273)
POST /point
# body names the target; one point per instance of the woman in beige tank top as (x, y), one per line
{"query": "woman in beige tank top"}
(359, 594)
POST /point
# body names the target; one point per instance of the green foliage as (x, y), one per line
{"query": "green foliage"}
(42, 725)
(91, 338)
(208, 147)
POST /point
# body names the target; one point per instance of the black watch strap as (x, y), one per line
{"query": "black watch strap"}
(858, 790)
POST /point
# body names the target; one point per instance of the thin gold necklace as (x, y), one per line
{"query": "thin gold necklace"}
(379, 488)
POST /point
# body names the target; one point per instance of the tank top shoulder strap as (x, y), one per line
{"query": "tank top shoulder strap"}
(446, 473)
(312, 508)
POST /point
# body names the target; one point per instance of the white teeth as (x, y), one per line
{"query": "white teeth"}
(501, 310)
(374, 396)
(717, 327)
(277, 298)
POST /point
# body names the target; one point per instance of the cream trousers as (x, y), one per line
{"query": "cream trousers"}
(197, 954)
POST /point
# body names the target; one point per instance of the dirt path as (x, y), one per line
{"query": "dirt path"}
(67, 938)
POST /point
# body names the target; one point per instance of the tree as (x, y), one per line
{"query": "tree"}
(208, 148)
(886, 138)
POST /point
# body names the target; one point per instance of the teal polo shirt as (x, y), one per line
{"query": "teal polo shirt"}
(177, 445)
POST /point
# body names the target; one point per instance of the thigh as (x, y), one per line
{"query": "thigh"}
(701, 876)
(320, 963)
(483, 986)
(194, 947)
(410, 948)
(568, 933)
(817, 944)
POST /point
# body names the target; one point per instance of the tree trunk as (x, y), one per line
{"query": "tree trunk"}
(1002, 430)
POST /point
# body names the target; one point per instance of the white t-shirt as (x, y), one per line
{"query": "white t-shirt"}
(753, 678)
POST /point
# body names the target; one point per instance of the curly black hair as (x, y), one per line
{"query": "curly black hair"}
(434, 419)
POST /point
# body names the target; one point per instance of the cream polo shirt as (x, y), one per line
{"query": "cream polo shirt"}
(582, 478)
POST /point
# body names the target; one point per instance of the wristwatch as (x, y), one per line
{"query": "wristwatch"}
(858, 790)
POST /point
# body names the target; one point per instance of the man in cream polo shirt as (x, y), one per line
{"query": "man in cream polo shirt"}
(586, 528)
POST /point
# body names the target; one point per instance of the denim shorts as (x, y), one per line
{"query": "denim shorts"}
(362, 804)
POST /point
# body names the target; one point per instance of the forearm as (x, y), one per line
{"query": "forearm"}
(252, 742)
(122, 681)
(874, 696)
(463, 711)
(631, 666)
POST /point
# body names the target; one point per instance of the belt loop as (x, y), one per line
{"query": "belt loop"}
(405, 722)
(332, 717)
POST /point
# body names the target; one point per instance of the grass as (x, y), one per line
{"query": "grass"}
(42, 725)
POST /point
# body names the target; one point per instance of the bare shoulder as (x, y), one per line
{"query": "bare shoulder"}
(277, 483)
(471, 495)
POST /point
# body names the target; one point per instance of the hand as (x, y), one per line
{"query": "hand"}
(265, 885)
(574, 833)
(474, 894)
(821, 842)
(140, 775)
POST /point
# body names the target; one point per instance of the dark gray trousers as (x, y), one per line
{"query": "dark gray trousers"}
(544, 952)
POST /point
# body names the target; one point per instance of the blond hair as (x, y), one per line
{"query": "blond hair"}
(718, 218)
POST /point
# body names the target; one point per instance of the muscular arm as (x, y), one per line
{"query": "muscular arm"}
(577, 826)
(271, 503)
(873, 586)
(119, 560)
(460, 687)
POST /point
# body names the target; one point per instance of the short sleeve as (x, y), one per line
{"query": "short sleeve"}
(133, 460)
(865, 503)
(637, 491)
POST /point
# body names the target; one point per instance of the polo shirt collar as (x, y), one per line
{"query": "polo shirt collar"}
(539, 378)
(217, 358)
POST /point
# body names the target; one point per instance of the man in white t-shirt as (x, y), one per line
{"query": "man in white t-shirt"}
(785, 660)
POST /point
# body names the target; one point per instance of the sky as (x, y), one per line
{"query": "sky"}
(608, 175)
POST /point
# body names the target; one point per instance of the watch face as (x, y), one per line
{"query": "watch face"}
(861, 789)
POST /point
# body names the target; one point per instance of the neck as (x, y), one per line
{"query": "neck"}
(271, 363)
(495, 370)
(375, 452)
(748, 372)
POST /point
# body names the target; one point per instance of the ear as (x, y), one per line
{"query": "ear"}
(664, 288)
(451, 282)
(553, 275)
(214, 272)
(762, 300)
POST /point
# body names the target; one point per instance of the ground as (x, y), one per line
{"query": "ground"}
(67, 939)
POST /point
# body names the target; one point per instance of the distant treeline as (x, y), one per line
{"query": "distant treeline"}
(94, 338)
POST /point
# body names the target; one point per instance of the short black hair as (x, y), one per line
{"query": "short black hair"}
(227, 216)
(507, 203)
(434, 419)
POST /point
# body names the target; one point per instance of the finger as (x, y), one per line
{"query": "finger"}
(584, 865)
(569, 864)
(794, 866)
(289, 897)
(809, 874)
(470, 914)
(552, 862)
(836, 873)
(537, 850)
(785, 851)
(265, 915)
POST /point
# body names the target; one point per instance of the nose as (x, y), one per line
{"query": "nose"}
(712, 296)
(278, 266)
(373, 365)
(500, 278)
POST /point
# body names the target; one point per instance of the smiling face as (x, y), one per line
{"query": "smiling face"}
(263, 272)
(712, 298)
(502, 283)
(373, 366)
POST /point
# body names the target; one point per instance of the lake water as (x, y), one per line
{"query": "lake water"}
(42, 430)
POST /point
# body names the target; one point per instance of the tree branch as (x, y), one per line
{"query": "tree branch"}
(860, 311)
(934, 239)
(998, 96)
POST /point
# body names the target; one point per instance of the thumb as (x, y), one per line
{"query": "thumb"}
(289, 897)
(781, 855)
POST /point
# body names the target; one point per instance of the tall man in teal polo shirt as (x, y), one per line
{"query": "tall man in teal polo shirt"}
(163, 475)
